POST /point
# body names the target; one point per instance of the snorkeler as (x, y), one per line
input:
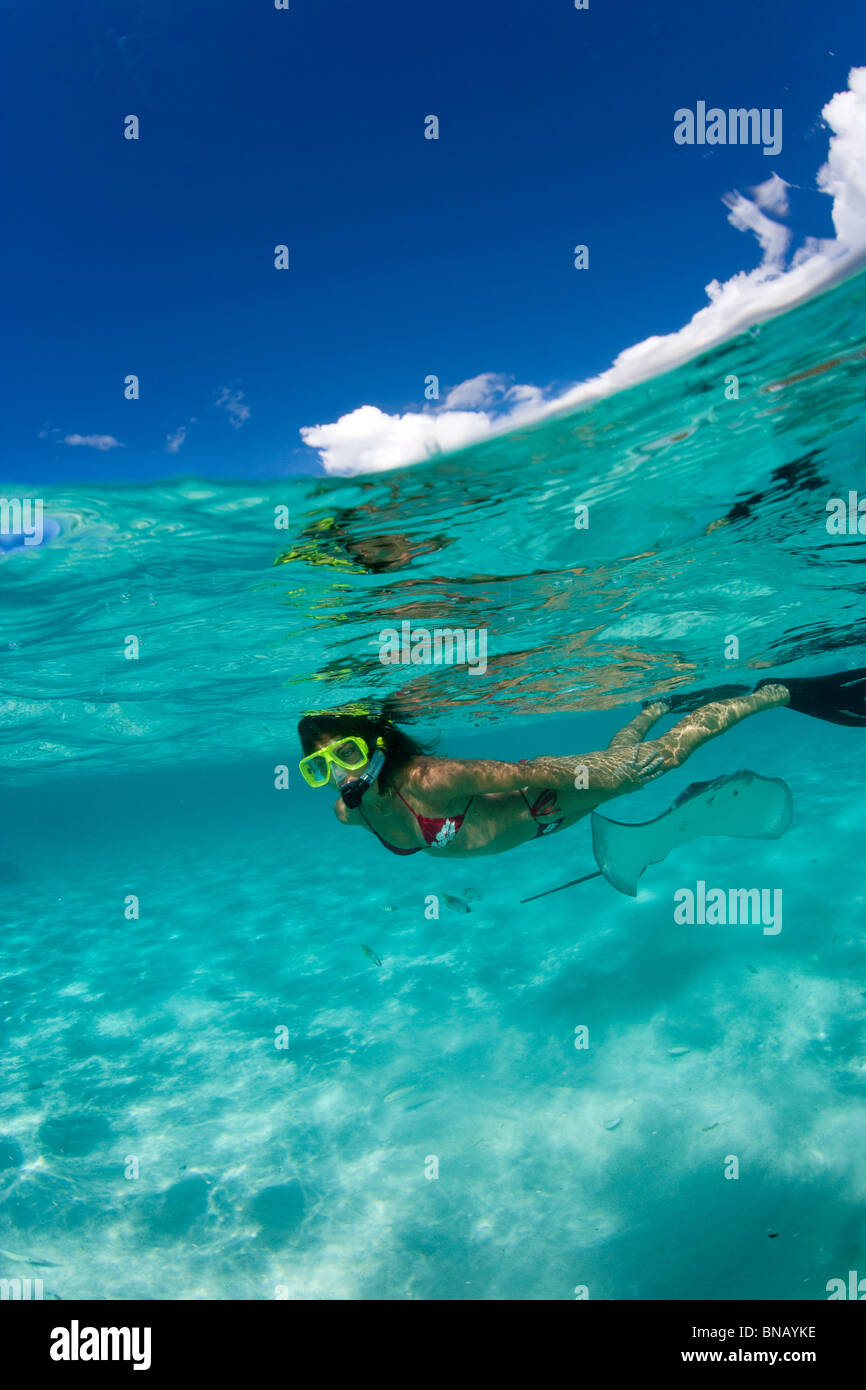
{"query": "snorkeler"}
(412, 800)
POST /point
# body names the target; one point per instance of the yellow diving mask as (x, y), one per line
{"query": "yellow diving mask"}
(346, 754)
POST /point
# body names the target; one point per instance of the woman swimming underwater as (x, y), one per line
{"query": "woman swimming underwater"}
(412, 800)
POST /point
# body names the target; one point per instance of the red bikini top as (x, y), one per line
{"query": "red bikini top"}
(438, 831)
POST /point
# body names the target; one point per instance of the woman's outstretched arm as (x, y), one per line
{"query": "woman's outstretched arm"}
(600, 774)
(619, 769)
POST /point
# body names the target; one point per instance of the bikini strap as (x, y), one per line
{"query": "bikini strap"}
(420, 818)
(406, 803)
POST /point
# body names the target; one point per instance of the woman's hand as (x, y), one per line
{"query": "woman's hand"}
(645, 763)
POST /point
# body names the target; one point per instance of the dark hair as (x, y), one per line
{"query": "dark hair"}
(400, 747)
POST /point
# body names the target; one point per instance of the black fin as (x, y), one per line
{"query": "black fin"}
(839, 698)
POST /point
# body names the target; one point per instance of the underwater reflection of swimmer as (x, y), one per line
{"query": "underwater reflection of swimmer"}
(381, 554)
(412, 800)
(334, 541)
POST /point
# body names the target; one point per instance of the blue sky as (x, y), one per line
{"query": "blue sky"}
(408, 256)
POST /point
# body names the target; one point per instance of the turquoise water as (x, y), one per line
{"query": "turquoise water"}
(147, 1046)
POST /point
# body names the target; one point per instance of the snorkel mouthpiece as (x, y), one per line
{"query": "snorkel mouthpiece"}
(353, 792)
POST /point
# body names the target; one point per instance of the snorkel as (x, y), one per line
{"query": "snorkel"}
(353, 791)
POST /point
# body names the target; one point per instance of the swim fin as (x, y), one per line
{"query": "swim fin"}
(743, 804)
(839, 698)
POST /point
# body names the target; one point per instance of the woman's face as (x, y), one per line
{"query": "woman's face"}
(339, 775)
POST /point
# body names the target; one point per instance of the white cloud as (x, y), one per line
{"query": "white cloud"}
(525, 396)
(368, 440)
(746, 216)
(233, 402)
(174, 441)
(477, 391)
(772, 196)
(844, 174)
(94, 441)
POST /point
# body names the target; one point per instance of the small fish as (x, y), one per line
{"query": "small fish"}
(456, 904)
(401, 1091)
(26, 1260)
(371, 955)
(707, 1128)
(752, 968)
(612, 1124)
(678, 1051)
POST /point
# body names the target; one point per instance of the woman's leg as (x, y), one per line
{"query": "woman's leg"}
(635, 731)
(707, 722)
